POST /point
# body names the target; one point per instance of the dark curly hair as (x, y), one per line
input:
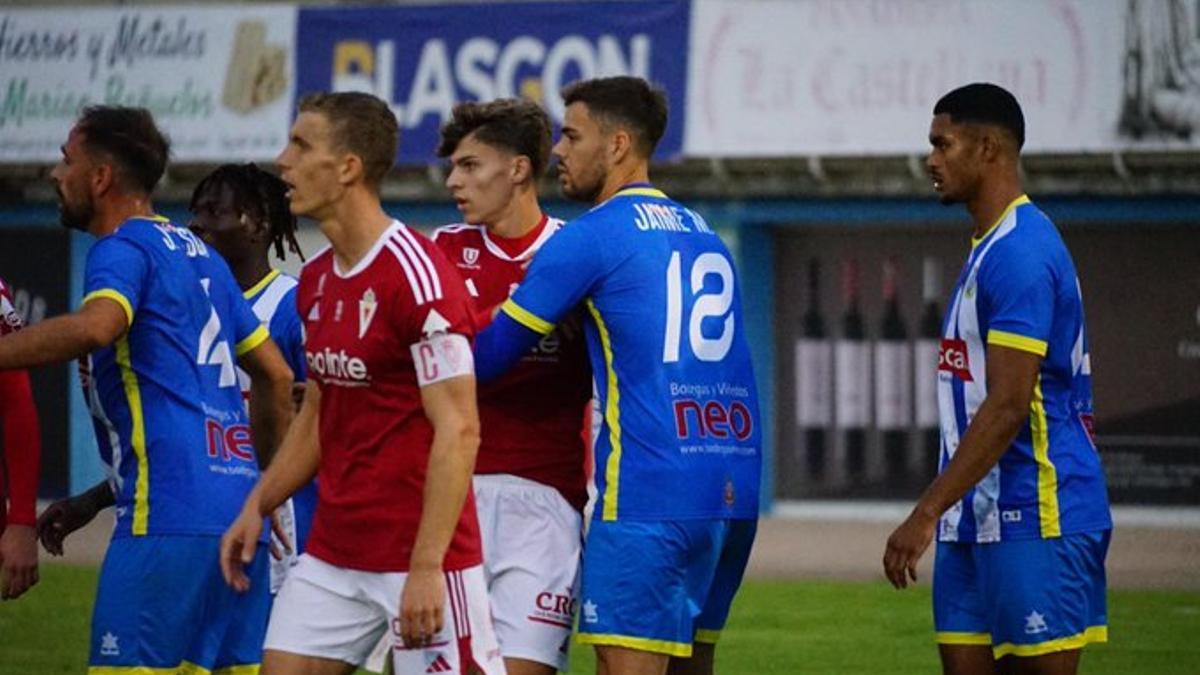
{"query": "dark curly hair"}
(258, 194)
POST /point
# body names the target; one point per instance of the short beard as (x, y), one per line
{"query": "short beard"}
(584, 193)
(75, 218)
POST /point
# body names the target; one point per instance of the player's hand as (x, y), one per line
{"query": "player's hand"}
(906, 546)
(238, 545)
(18, 560)
(62, 518)
(297, 395)
(422, 606)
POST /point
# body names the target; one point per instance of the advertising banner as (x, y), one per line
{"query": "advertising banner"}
(860, 77)
(217, 78)
(424, 59)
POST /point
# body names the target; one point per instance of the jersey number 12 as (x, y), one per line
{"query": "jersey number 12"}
(703, 306)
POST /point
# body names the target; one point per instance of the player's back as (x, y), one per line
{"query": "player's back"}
(165, 396)
(680, 436)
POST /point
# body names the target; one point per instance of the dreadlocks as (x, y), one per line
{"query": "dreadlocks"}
(258, 194)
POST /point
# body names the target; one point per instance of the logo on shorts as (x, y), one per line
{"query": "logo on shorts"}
(589, 612)
(729, 495)
(439, 664)
(108, 645)
(556, 609)
(1035, 623)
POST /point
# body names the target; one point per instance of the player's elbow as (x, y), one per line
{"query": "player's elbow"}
(462, 432)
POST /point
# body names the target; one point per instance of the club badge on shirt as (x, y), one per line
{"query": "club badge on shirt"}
(366, 311)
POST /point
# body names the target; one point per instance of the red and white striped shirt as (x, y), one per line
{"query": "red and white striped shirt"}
(375, 439)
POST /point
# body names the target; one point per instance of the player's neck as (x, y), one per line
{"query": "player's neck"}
(251, 271)
(110, 213)
(620, 176)
(353, 226)
(522, 215)
(993, 198)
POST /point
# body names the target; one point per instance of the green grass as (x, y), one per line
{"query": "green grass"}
(777, 627)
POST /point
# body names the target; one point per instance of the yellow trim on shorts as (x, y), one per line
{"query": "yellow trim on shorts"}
(612, 415)
(1017, 341)
(184, 668)
(137, 438)
(709, 637)
(115, 296)
(955, 638)
(1092, 634)
(1047, 474)
(259, 336)
(253, 290)
(641, 192)
(667, 647)
(526, 318)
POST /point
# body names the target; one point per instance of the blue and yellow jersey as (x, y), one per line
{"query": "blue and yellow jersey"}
(164, 397)
(1019, 289)
(681, 433)
(273, 300)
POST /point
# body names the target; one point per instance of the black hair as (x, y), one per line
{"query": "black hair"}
(984, 103)
(517, 125)
(260, 195)
(130, 138)
(627, 101)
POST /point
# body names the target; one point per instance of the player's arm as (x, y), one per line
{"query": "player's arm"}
(270, 397)
(98, 323)
(1011, 376)
(560, 276)
(67, 515)
(294, 466)
(22, 455)
(450, 407)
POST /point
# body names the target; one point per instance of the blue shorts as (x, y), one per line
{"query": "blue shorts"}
(162, 603)
(1027, 597)
(659, 586)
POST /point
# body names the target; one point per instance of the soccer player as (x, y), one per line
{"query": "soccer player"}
(678, 458)
(388, 423)
(20, 453)
(243, 212)
(159, 327)
(1020, 507)
(530, 486)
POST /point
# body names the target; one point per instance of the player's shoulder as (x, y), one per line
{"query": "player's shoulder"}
(1026, 236)
(457, 232)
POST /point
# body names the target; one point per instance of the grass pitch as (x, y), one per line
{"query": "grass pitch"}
(777, 628)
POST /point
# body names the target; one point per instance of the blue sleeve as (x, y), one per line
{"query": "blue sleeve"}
(562, 274)
(245, 328)
(1017, 286)
(119, 270)
(288, 333)
(499, 346)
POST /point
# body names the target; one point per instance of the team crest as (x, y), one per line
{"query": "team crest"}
(470, 255)
(366, 311)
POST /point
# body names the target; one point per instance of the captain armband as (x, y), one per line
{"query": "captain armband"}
(441, 357)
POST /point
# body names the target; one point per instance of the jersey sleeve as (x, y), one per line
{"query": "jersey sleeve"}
(561, 275)
(119, 270)
(1018, 290)
(244, 327)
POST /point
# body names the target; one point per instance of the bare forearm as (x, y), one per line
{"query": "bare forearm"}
(294, 465)
(99, 497)
(55, 340)
(270, 415)
(989, 435)
(451, 463)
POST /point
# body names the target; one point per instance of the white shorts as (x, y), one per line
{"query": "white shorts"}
(286, 513)
(531, 545)
(338, 613)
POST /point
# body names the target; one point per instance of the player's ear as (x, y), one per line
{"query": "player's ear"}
(103, 178)
(350, 169)
(520, 170)
(620, 145)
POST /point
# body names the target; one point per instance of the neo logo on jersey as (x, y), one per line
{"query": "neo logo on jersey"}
(952, 358)
(712, 419)
(229, 443)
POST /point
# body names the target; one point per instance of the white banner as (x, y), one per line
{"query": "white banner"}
(219, 79)
(855, 77)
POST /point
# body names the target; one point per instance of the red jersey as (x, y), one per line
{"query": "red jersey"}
(375, 439)
(530, 418)
(20, 438)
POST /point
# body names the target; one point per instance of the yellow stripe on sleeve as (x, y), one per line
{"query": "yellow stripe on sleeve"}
(526, 318)
(253, 340)
(612, 416)
(137, 424)
(1015, 341)
(114, 295)
(1047, 475)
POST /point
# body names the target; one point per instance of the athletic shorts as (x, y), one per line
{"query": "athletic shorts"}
(337, 613)
(660, 586)
(162, 603)
(531, 544)
(295, 518)
(1026, 597)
